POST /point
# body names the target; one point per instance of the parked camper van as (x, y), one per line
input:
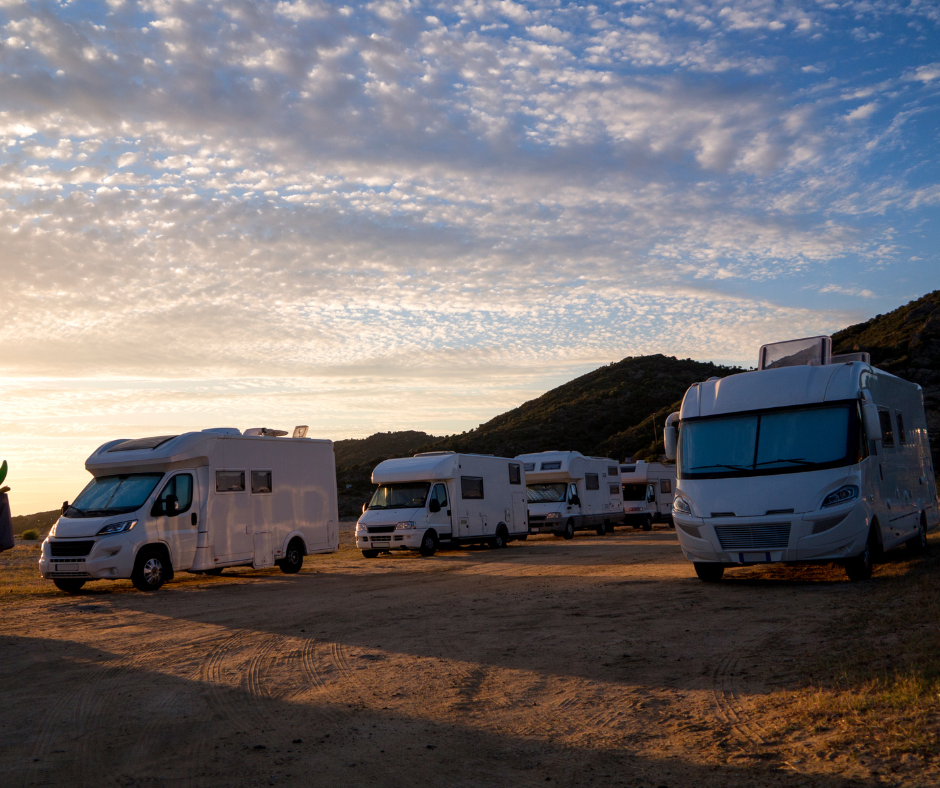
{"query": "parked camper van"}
(809, 458)
(648, 490)
(443, 498)
(196, 502)
(569, 492)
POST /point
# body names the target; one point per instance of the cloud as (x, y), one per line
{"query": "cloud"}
(863, 112)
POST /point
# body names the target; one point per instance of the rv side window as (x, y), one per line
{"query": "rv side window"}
(613, 470)
(529, 466)
(551, 466)
(515, 473)
(181, 486)
(261, 482)
(591, 482)
(230, 481)
(614, 490)
(887, 431)
(471, 487)
(902, 435)
(665, 486)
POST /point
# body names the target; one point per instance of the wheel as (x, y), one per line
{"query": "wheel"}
(293, 559)
(670, 523)
(859, 567)
(150, 570)
(602, 529)
(918, 543)
(569, 530)
(710, 573)
(608, 527)
(428, 544)
(371, 553)
(214, 572)
(69, 586)
(499, 541)
(647, 523)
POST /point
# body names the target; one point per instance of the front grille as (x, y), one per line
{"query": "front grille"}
(380, 529)
(382, 539)
(759, 536)
(70, 548)
(536, 518)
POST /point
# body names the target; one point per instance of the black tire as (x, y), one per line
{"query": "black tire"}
(69, 585)
(709, 573)
(601, 529)
(501, 539)
(859, 567)
(151, 570)
(428, 544)
(293, 559)
(568, 533)
(918, 544)
(670, 523)
(608, 527)
(215, 571)
(371, 553)
(647, 524)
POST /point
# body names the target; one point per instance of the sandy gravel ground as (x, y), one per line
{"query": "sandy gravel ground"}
(601, 661)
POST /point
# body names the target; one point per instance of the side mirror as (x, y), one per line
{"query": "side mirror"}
(670, 436)
(871, 421)
(435, 506)
(650, 495)
(171, 505)
(575, 500)
(65, 506)
(365, 506)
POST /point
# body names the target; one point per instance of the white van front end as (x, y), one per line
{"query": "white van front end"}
(94, 548)
(825, 518)
(394, 529)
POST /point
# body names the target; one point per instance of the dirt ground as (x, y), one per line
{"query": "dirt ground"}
(600, 661)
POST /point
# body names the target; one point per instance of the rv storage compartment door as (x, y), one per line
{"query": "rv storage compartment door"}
(263, 554)
(519, 524)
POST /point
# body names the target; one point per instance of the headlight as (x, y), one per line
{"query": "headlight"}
(360, 528)
(847, 493)
(406, 526)
(117, 528)
(52, 532)
(553, 516)
(681, 505)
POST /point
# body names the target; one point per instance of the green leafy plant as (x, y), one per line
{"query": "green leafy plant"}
(31, 534)
(3, 475)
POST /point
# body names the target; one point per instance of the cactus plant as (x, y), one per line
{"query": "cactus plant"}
(3, 475)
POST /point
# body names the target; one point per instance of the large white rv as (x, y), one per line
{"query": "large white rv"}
(809, 458)
(443, 498)
(648, 490)
(569, 492)
(196, 502)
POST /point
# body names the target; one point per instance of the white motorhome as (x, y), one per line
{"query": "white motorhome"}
(648, 490)
(443, 498)
(196, 502)
(810, 458)
(569, 492)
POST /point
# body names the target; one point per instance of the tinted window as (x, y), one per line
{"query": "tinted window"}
(613, 471)
(634, 492)
(114, 494)
(542, 492)
(529, 466)
(261, 482)
(230, 481)
(515, 474)
(628, 468)
(401, 495)
(665, 486)
(887, 431)
(902, 435)
(181, 486)
(471, 487)
(551, 466)
(591, 482)
(439, 494)
(615, 489)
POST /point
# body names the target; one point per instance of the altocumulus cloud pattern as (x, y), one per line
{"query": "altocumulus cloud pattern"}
(291, 202)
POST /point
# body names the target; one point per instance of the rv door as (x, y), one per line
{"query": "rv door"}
(175, 513)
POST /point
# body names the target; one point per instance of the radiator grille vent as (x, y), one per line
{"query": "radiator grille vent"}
(760, 536)
(70, 549)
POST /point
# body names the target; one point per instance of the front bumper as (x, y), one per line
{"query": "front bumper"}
(395, 540)
(842, 533)
(109, 558)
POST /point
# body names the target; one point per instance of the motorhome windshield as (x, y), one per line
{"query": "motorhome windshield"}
(760, 443)
(634, 492)
(546, 492)
(106, 495)
(403, 495)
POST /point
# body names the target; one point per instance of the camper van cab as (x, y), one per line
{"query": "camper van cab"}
(648, 490)
(196, 502)
(443, 498)
(569, 492)
(809, 458)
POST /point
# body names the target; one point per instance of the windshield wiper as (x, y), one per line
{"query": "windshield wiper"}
(81, 512)
(720, 465)
(796, 460)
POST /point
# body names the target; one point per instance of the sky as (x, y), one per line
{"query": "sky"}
(417, 215)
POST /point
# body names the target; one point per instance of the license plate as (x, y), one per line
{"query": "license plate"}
(381, 539)
(59, 568)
